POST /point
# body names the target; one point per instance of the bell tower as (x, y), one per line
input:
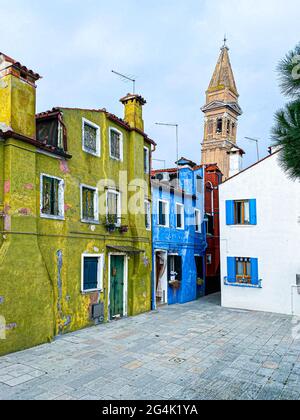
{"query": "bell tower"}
(221, 112)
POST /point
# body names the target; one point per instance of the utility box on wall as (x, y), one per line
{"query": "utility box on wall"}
(98, 313)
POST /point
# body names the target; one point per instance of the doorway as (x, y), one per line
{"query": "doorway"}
(118, 286)
(161, 281)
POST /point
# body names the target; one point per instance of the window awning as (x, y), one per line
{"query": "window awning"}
(125, 249)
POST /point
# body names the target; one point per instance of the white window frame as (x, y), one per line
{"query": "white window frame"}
(96, 204)
(99, 273)
(182, 216)
(61, 198)
(111, 129)
(147, 168)
(119, 206)
(167, 225)
(148, 214)
(198, 221)
(98, 139)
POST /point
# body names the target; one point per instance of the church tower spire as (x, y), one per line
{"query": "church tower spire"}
(222, 111)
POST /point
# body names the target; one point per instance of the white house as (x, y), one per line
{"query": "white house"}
(260, 239)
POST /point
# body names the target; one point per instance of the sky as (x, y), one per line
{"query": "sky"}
(170, 46)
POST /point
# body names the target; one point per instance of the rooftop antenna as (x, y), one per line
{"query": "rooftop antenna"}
(162, 161)
(126, 78)
(257, 145)
(176, 126)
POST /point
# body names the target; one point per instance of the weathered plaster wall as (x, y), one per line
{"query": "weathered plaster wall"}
(40, 259)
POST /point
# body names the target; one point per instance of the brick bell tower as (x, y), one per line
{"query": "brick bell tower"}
(221, 119)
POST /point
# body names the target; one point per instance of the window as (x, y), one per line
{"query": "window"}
(89, 204)
(210, 224)
(243, 271)
(90, 138)
(228, 126)
(163, 213)
(50, 132)
(174, 268)
(113, 200)
(52, 197)
(198, 221)
(92, 273)
(116, 144)
(219, 125)
(146, 160)
(241, 212)
(199, 181)
(147, 215)
(179, 216)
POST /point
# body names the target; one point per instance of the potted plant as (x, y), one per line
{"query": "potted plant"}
(124, 229)
(173, 282)
(111, 223)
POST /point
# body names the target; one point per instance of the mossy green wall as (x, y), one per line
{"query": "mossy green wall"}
(40, 259)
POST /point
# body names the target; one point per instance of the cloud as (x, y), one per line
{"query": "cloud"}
(169, 45)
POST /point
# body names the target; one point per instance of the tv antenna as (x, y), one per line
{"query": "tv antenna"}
(126, 78)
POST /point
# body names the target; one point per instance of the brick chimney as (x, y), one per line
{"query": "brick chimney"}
(134, 110)
(17, 97)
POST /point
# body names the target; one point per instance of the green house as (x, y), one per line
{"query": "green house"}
(75, 243)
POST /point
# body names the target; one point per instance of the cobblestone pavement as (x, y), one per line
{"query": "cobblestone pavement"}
(189, 352)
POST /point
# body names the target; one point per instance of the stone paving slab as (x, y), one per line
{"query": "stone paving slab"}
(187, 352)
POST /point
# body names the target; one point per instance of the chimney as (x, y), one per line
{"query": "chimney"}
(134, 110)
(17, 97)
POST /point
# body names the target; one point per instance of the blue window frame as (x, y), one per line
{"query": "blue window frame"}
(241, 212)
(242, 271)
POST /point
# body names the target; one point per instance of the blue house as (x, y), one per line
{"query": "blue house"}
(179, 234)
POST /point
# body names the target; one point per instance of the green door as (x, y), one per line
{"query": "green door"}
(116, 285)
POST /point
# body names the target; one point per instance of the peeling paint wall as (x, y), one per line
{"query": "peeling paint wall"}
(40, 259)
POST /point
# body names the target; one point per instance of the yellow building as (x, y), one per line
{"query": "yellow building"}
(75, 214)
(221, 112)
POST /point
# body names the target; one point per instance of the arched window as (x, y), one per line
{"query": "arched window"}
(219, 125)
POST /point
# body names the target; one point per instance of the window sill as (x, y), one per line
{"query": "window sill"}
(249, 286)
(116, 159)
(90, 222)
(95, 154)
(49, 217)
(87, 292)
(242, 226)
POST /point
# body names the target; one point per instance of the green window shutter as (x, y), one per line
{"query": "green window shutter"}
(231, 269)
(230, 212)
(254, 271)
(253, 212)
(90, 281)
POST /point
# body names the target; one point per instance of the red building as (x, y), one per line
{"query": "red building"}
(213, 178)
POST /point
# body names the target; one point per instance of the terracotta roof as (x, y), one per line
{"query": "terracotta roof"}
(19, 66)
(11, 134)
